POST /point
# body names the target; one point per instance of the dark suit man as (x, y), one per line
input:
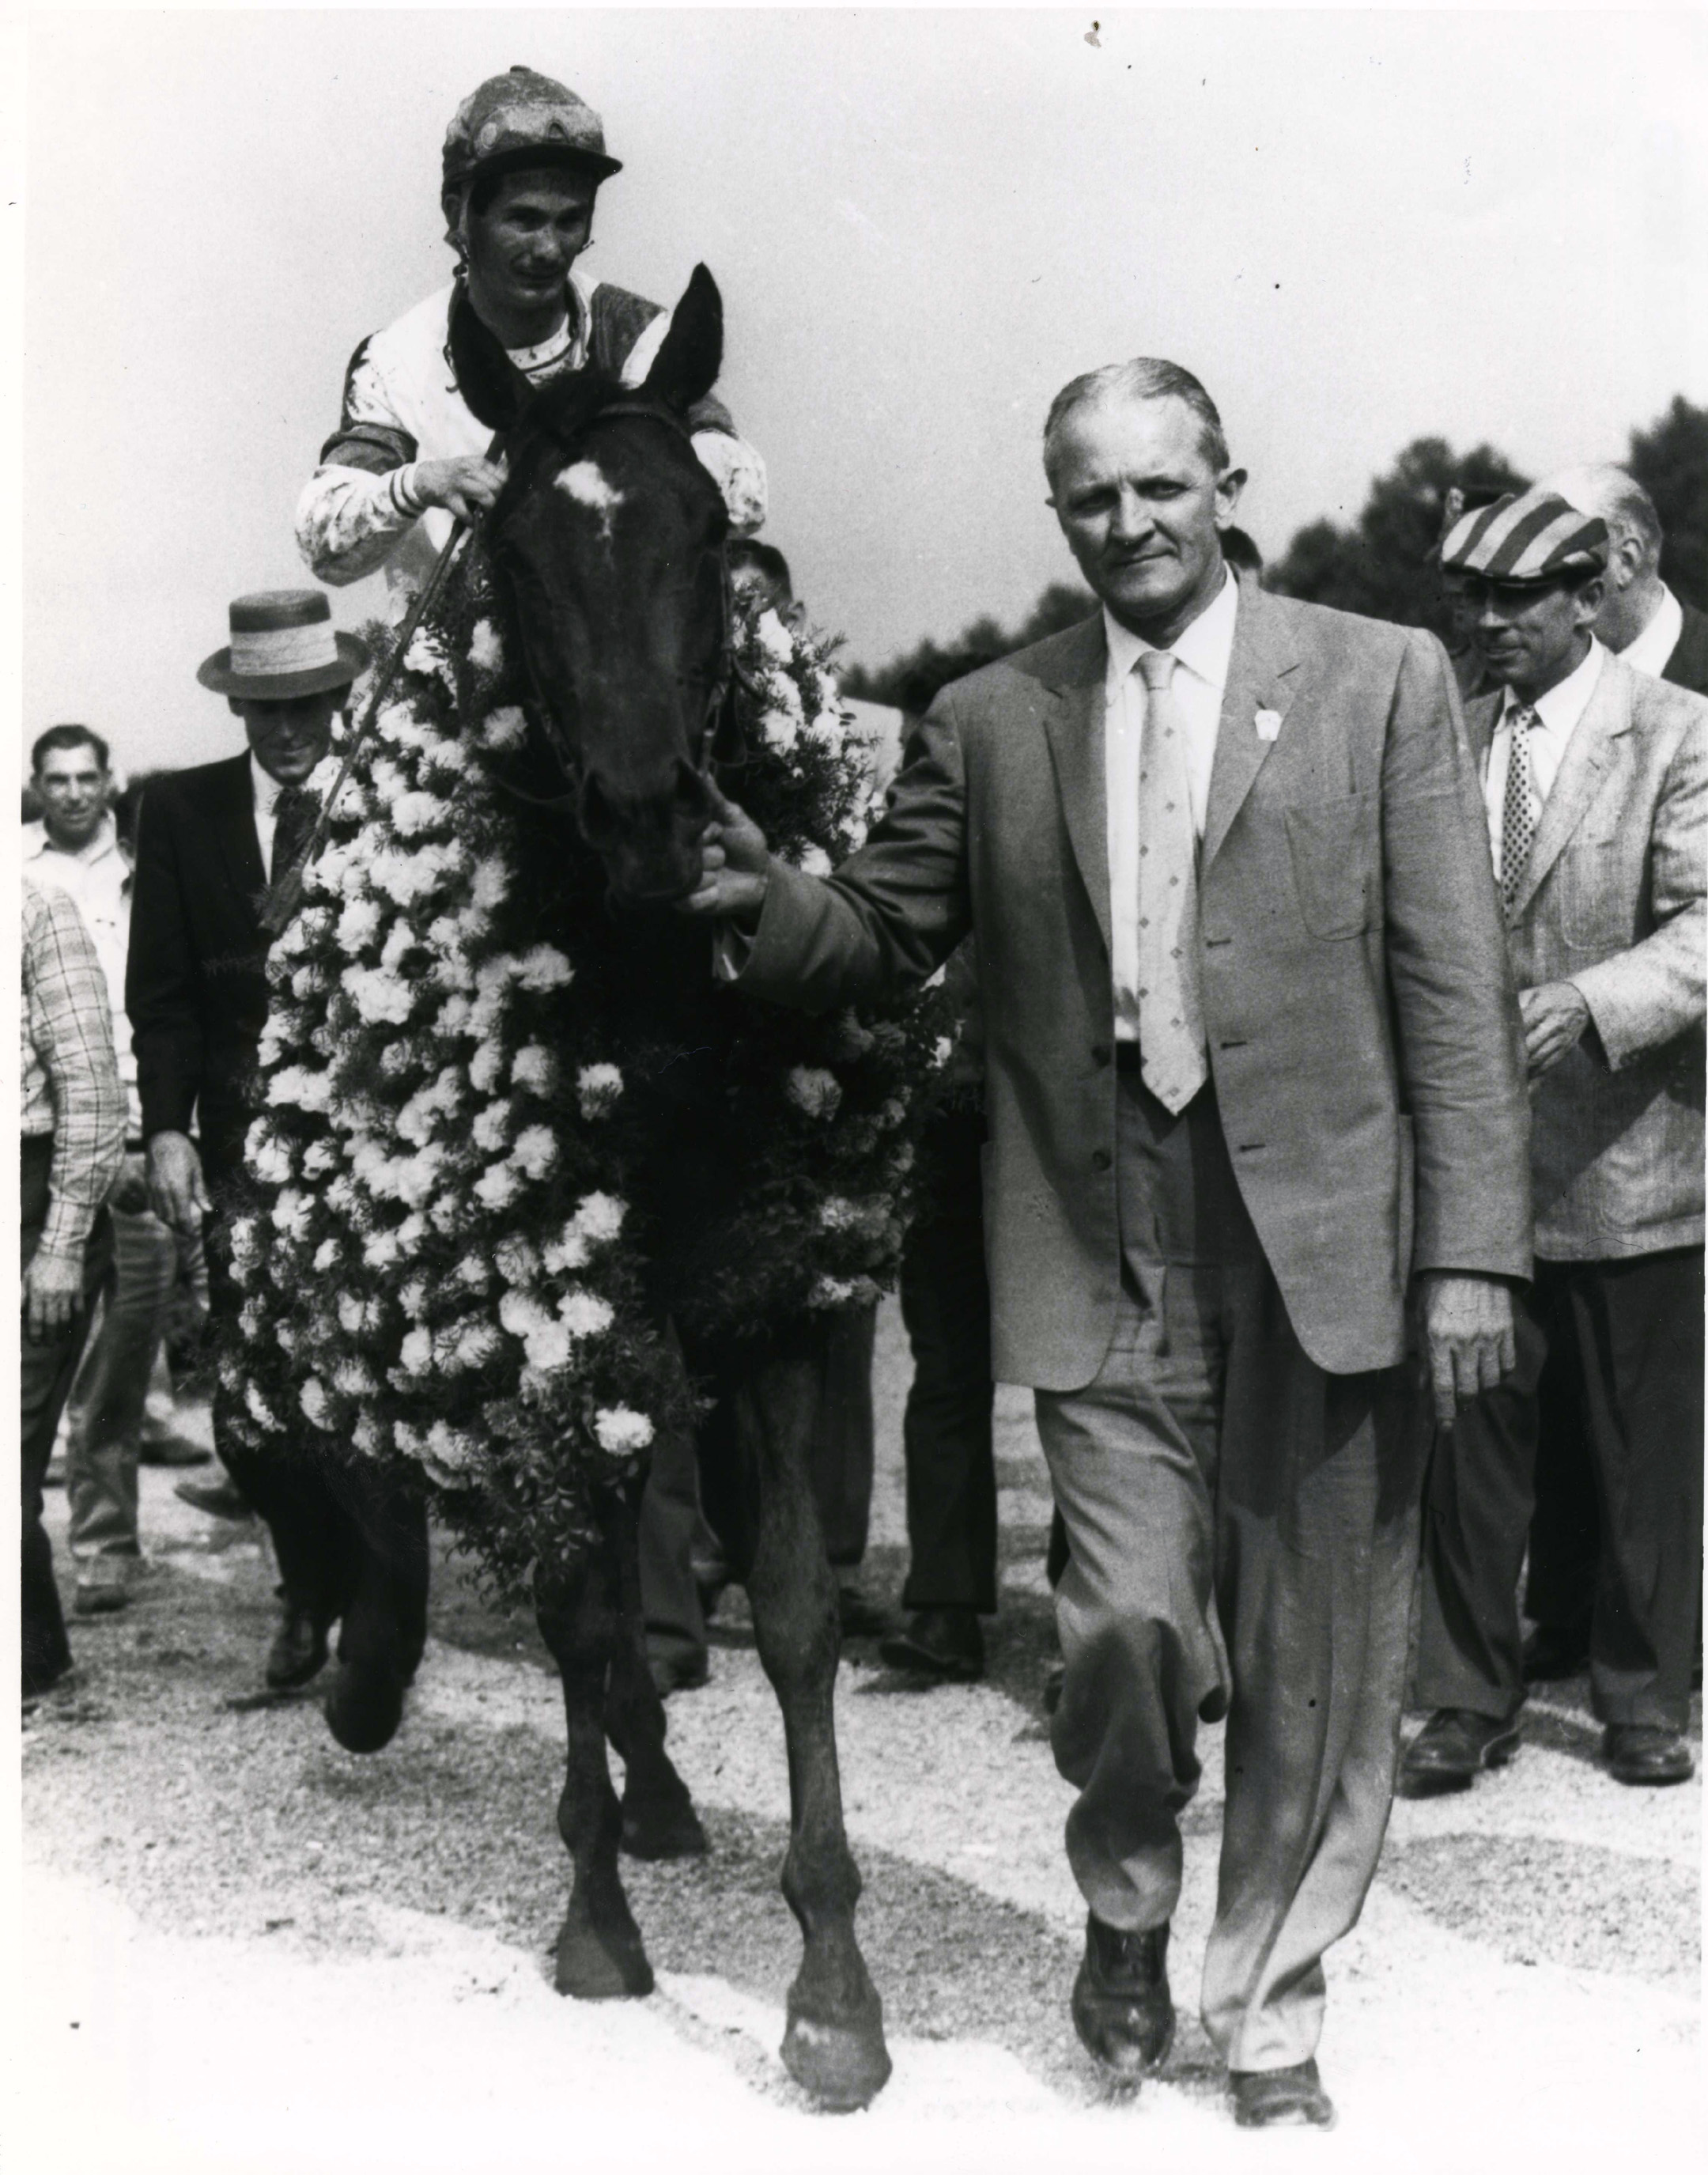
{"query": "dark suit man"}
(1251, 1065)
(1653, 632)
(1597, 783)
(350, 1549)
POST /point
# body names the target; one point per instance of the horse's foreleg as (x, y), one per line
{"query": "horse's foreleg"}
(834, 2044)
(599, 1954)
(658, 1819)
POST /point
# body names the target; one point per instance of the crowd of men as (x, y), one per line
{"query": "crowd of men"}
(1324, 1147)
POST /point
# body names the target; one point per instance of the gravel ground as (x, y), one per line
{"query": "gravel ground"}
(248, 1950)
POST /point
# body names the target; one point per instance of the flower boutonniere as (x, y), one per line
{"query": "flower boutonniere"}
(1268, 725)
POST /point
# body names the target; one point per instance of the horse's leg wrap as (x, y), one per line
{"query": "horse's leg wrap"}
(658, 1819)
(834, 2044)
(599, 1955)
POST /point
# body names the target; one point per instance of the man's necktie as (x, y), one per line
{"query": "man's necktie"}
(293, 819)
(1519, 810)
(1172, 1061)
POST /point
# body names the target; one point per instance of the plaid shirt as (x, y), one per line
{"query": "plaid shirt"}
(67, 1075)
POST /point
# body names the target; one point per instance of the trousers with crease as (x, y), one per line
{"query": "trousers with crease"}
(1243, 1531)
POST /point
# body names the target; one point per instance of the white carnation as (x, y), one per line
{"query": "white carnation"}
(413, 1297)
(598, 1087)
(313, 1400)
(774, 638)
(490, 886)
(542, 968)
(583, 1314)
(491, 1126)
(379, 1249)
(600, 1217)
(427, 655)
(505, 727)
(810, 1088)
(415, 812)
(259, 1409)
(352, 1378)
(359, 925)
(486, 1066)
(622, 1432)
(449, 1454)
(535, 1151)
(485, 650)
(815, 862)
(472, 1270)
(416, 1355)
(498, 1186)
(535, 1068)
(318, 1158)
(326, 1256)
(291, 1211)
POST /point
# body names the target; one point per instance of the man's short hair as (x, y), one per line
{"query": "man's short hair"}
(68, 736)
(1604, 488)
(1146, 378)
(764, 559)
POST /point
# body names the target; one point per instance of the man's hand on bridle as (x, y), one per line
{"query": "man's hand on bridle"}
(467, 485)
(735, 865)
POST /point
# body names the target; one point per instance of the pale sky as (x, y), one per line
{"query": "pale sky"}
(1355, 228)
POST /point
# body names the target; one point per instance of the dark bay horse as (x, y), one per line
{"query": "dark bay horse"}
(605, 558)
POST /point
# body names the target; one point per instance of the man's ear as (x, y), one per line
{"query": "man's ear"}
(1228, 486)
(1589, 600)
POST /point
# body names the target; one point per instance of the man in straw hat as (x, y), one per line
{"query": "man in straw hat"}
(349, 1548)
(1596, 783)
(524, 162)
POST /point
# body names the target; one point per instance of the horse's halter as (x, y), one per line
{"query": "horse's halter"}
(721, 747)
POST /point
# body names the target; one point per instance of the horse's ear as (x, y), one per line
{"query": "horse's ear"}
(687, 366)
(486, 378)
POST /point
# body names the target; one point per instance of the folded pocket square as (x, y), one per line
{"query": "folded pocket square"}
(1268, 725)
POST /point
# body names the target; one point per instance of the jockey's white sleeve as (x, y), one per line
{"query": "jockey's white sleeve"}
(349, 520)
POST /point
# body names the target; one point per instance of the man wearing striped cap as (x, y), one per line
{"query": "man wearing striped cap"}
(1595, 781)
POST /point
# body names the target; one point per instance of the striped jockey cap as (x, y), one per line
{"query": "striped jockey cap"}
(1528, 536)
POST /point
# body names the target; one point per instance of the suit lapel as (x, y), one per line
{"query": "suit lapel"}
(1264, 654)
(1588, 757)
(1480, 715)
(234, 821)
(1074, 724)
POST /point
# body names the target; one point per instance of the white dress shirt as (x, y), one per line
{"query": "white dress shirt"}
(97, 879)
(1658, 640)
(1200, 675)
(1556, 713)
(266, 790)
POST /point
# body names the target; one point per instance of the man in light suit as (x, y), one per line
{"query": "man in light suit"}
(1251, 1064)
(1596, 790)
(1652, 631)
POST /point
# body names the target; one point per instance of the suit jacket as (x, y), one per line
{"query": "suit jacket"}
(195, 983)
(1688, 665)
(1613, 902)
(1361, 1025)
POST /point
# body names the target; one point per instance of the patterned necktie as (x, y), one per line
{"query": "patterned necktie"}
(293, 819)
(1519, 810)
(1172, 1060)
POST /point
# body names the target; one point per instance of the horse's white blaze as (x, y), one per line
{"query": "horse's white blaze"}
(587, 483)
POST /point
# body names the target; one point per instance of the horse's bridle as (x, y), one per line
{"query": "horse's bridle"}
(722, 747)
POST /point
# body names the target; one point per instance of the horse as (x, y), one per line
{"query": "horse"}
(601, 568)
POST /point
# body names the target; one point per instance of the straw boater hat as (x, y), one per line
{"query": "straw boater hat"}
(1526, 538)
(283, 645)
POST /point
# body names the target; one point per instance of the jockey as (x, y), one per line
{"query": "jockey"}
(524, 161)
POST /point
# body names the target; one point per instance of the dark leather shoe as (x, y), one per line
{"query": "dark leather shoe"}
(1122, 2010)
(945, 1643)
(298, 1651)
(1450, 1750)
(219, 1499)
(172, 1450)
(365, 1705)
(1648, 1757)
(1272, 2099)
(1552, 1654)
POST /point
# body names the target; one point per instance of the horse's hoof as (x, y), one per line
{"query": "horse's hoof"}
(608, 1966)
(843, 2066)
(661, 1829)
(365, 1707)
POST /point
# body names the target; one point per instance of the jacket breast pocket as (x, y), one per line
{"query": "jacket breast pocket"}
(1594, 910)
(1332, 850)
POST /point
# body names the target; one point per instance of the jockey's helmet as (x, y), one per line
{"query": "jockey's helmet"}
(516, 121)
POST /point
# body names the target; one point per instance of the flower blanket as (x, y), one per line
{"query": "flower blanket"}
(501, 1136)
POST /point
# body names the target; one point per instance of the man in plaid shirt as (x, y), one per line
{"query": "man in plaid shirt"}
(71, 1120)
